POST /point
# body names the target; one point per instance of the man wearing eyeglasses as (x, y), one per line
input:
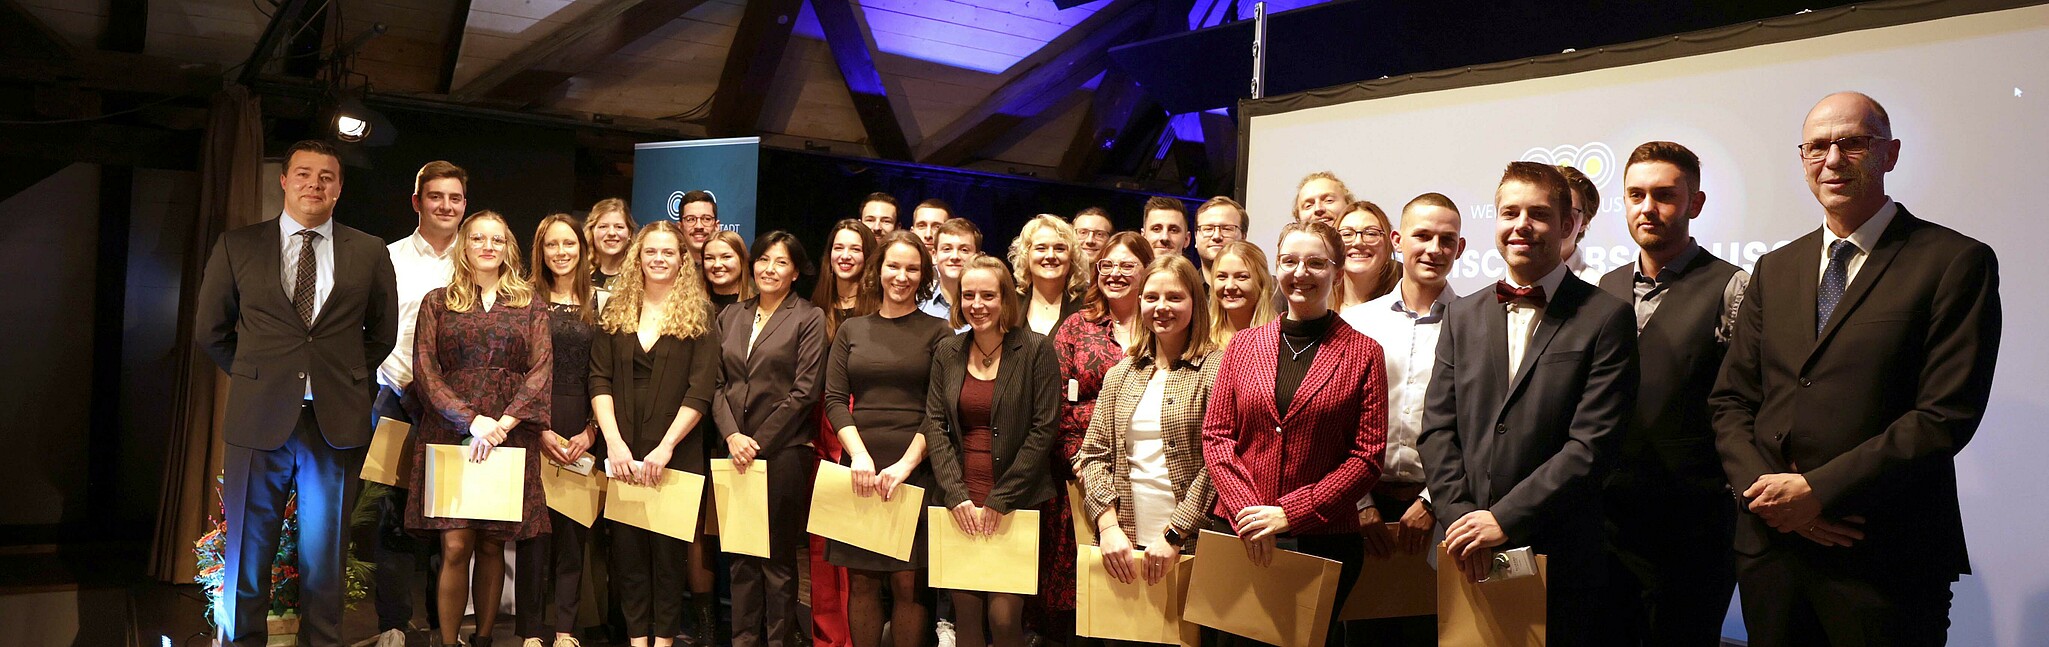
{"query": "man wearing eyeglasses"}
(1092, 227)
(700, 220)
(1166, 226)
(1218, 222)
(1860, 365)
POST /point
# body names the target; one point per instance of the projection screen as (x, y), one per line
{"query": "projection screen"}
(1969, 99)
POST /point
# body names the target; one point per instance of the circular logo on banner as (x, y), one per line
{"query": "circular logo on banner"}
(1594, 159)
(676, 205)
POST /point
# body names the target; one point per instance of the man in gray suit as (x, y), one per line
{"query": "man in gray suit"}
(298, 310)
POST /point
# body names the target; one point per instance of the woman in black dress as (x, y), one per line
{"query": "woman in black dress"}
(551, 566)
(992, 412)
(875, 383)
(482, 373)
(654, 369)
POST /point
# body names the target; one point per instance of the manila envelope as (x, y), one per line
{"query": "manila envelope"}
(1006, 562)
(669, 508)
(1109, 609)
(741, 503)
(580, 497)
(487, 491)
(1288, 603)
(1402, 585)
(1509, 613)
(388, 461)
(1077, 507)
(866, 522)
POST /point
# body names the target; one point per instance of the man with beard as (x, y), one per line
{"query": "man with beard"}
(700, 220)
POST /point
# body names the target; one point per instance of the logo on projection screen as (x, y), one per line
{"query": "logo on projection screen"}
(1592, 158)
(676, 205)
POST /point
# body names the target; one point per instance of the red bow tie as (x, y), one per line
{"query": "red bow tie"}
(1505, 293)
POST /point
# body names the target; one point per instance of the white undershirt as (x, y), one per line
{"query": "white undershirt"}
(1152, 493)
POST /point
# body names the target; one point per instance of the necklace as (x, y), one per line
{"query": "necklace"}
(760, 316)
(1297, 354)
(988, 356)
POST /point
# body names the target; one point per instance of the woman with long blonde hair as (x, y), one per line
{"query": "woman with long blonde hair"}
(483, 374)
(727, 275)
(1240, 292)
(654, 370)
(609, 228)
(1045, 261)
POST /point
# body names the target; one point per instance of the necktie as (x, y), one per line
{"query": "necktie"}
(304, 278)
(1833, 280)
(1505, 293)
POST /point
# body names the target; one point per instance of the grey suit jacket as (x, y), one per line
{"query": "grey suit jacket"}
(245, 321)
(1530, 449)
(768, 394)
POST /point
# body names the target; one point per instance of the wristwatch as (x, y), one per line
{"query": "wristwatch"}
(1172, 536)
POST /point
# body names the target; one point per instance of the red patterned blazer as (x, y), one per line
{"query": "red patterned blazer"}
(1318, 459)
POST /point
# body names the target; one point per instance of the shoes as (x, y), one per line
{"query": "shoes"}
(531, 642)
(566, 641)
(945, 631)
(392, 638)
(479, 640)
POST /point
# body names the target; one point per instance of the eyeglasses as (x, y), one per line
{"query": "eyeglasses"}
(1092, 234)
(1314, 263)
(482, 241)
(701, 219)
(1370, 233)
(1113, 268)
(1212, 230)
(1851, 146)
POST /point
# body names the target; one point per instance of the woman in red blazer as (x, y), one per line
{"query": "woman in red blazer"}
(1295, 429)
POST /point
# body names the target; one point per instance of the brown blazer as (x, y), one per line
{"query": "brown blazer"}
(1025, 420)
(685, 375)
(1104, 462)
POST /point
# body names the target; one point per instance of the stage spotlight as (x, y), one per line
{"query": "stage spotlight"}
(351, 121)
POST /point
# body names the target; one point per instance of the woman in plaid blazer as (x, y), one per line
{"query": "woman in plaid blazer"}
(1294, 432)
(1141, 461)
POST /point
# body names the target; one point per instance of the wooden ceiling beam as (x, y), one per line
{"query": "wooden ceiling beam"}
(751, 63)
(853, 50)
(1043, 79)
(535, 71)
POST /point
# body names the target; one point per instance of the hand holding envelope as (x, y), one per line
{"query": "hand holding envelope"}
(884, 526)
(669, 506)
(1109, 608)
(1286, 602)
(488, 490)
(740, 500)
(1005, 559)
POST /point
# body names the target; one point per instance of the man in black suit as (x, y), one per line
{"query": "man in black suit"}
(298, 310)
(1670, 513)
(1534, 384)
(1860, 366)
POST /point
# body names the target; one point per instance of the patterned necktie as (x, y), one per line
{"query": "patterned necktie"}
(305, 276)
(1833, 281)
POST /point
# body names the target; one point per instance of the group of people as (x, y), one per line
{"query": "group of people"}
(1678, 427)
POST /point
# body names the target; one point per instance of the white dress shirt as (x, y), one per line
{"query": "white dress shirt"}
(1408, 342)
(1863, 240)
(420, 270)
(323, 264)
(1523, 316)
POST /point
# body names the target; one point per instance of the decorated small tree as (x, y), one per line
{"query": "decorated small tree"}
(212, 547)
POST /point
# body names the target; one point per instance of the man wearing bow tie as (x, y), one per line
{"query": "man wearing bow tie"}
(1534, 386)
(1860, 365)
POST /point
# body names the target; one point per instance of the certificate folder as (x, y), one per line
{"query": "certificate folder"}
(1287, 603)
(1396, 586)
(670, 508)
(740, 501)
(865, 522)
(1506, 613)
(1005, 562)
(1139, 612)
(388, 462)
(487, 491)
(580, 497)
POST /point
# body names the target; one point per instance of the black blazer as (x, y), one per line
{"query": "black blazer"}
(1670, 448)
(1874, 409)
(1024, 421)
(1530, 449)
(768, 394)
(686, 374)
(245, 321)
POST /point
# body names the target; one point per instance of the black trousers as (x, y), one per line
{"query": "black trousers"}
(765, 605)
(1791, 599)
(550, 579)
(255, 486)
(648, 567)
(1677, 569)
(397, 553)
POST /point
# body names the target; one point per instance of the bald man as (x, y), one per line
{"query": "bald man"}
(1859, 366)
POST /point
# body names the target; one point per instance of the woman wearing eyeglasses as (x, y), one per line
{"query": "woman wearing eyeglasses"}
(1370, 268)
(1294, 432)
